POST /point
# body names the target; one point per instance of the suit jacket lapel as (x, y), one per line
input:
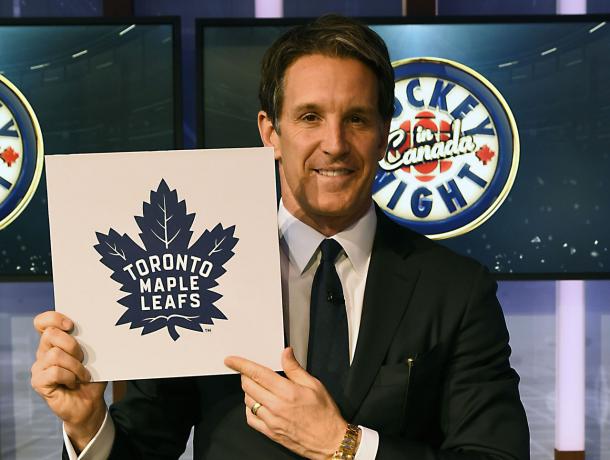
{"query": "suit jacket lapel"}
(390, 282)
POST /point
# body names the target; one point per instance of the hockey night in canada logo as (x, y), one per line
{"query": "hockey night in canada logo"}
(168, 283)
(453, 149)
(21, 153)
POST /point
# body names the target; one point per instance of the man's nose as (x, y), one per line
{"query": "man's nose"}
(334, 141)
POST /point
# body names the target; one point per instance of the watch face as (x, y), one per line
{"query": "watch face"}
(21, 152)
(453, 149)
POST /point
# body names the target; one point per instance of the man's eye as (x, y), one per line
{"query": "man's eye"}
(309, 117)
(356, 119)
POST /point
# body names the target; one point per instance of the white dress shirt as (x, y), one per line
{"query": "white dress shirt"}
(299, 258)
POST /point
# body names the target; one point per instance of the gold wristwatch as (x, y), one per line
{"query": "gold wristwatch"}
(349, 445)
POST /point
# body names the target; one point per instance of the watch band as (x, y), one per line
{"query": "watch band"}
(349, 445)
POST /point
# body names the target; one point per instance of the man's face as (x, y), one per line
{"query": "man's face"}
(330, 138)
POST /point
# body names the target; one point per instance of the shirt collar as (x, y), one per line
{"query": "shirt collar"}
(302, 241)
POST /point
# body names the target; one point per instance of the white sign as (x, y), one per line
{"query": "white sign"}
(167, 262)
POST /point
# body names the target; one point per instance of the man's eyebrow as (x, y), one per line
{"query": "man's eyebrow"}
(362, 109)
(312, 107)
(307, 107)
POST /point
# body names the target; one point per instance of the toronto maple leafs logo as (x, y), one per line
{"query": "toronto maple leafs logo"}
(168, 283)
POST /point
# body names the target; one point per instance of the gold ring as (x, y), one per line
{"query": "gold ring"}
(255, 407)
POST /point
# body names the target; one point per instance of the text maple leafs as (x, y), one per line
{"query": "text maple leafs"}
(168, 283)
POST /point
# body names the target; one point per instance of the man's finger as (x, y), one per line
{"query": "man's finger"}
(58, 357)
(264, 421)
(260, 394)
(260, 374)
(52, 377)
(53, 337)
(52, 319)
(293, 369)
(258, 424)
(262, 412)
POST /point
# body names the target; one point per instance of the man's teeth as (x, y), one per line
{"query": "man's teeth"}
(333, 172)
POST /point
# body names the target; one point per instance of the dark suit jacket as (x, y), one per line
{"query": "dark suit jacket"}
(458, 400)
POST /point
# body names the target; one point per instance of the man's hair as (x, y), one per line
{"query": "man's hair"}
(330, 35)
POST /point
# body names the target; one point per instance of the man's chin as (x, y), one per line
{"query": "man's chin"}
(337, 211)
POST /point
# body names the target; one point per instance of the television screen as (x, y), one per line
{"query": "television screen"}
(498, 146)
(94, 87)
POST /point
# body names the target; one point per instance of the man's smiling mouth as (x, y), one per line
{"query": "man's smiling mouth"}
(333, 172)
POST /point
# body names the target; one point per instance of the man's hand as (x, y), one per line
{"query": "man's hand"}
(297, 411)
(59, 376)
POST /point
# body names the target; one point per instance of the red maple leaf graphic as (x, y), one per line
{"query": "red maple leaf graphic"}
(9, 156)
(485, 154)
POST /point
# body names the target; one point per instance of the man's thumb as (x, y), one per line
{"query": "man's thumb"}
(292, 368)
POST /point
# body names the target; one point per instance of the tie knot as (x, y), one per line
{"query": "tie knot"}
(330, 250)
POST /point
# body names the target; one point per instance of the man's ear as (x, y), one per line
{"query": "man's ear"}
(268, 134)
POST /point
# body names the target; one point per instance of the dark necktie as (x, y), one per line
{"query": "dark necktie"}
(328, 350)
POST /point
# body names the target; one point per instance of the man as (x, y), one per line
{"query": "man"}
(398, 346)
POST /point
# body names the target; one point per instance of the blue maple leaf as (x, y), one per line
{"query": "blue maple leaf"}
(168, 283)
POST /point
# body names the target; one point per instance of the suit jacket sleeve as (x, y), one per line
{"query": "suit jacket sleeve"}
(481, 415)
(154, 419)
